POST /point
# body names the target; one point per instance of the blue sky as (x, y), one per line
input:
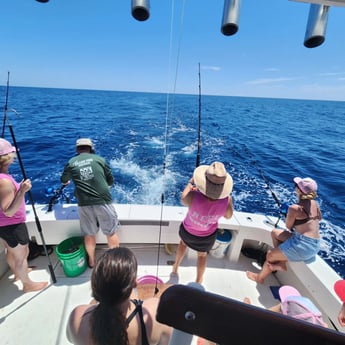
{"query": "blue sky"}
(97, 44)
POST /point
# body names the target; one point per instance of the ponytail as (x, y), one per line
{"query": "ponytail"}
(308, 196)
(108, 325)
(112, 281)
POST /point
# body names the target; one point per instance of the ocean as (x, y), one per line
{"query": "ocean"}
(151, 143)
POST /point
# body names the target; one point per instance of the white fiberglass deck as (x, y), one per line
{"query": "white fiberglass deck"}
(40, 317)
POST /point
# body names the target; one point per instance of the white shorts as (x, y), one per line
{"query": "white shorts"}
(96, 217)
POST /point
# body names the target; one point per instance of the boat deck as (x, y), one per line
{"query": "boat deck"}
(40, 317)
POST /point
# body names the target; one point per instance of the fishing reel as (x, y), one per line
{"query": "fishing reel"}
(283, 209)
(56, 195)
(50, 191)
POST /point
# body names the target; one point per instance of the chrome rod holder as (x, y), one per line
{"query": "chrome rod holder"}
(231, 15)
(141, 9)
(316, 27)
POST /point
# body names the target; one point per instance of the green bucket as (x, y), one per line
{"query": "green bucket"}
(72, 255)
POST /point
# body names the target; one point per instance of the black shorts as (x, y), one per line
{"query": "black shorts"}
(198, 243)
(15, 234)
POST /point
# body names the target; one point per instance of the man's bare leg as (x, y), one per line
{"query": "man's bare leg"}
(113, 241)
(90, 246)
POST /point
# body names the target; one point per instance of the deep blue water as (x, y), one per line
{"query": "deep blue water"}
(150, 141)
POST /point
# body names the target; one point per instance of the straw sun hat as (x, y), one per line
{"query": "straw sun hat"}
(213, 181)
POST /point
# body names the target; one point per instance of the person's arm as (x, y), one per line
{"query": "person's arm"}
(108, 174)
(157, 332)
(291, 216)
(230, 210)
(341, 315)
(187, 195)
(66, 175)
(71, 326)
(10, 200)
(74, 331)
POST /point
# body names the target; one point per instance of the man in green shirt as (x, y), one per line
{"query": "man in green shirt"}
(92, 177)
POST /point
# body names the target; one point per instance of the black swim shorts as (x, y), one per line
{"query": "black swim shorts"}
(198, 243)
(15, 234)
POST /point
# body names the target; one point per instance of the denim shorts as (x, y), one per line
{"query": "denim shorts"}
(300, 248)
(95, 217)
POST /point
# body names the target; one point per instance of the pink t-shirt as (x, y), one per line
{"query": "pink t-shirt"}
(20, 215)
(203, 215)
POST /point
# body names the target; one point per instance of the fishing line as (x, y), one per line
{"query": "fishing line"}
(168, 116)
(6, 106)
(38, 224)
(199, 123)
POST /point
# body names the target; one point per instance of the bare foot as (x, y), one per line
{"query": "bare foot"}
(254, 277)
(276, 267)
(34, 286)
(247, 300)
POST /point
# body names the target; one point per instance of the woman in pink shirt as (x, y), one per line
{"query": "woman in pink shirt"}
(207, 195)
(13, 232)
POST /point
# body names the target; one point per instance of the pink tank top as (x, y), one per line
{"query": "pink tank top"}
(20, 215)
(203, 215)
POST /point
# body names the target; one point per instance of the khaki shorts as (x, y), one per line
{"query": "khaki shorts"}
(96, 217)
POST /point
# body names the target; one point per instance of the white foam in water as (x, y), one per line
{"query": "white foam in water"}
(147, 183)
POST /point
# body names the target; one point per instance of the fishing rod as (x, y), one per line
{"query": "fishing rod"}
(5, 107)
(38, 224)
(199, 129)
(283, 208)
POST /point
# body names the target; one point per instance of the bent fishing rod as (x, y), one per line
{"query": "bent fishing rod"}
(38, 224)
(283, 208)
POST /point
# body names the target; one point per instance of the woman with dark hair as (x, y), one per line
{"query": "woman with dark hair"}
(113, 317)
(301, 240)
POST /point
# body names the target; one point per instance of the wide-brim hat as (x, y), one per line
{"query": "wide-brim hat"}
(213, 180)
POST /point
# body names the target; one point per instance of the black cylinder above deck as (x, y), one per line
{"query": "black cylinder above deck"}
(141, 9)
